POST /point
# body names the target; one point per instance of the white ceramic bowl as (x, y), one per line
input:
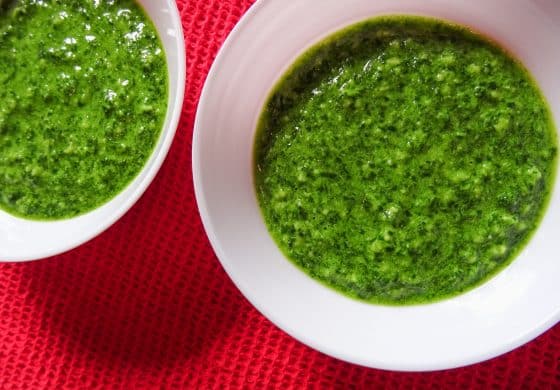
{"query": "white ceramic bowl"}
(22, 240)
(517, 305)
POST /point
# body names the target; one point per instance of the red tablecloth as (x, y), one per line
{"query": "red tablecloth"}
(147, 304)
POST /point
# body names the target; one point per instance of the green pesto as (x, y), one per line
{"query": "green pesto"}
(404, 160)
(83, 98)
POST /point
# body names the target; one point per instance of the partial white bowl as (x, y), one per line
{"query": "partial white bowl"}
(514, 307)
(23, 240)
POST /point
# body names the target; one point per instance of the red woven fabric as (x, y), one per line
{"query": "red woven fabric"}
(147, 304)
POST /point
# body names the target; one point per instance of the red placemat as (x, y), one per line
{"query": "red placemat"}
(147, 304)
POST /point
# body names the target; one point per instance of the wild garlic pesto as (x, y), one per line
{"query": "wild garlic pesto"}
(404, 160)
(82, 100)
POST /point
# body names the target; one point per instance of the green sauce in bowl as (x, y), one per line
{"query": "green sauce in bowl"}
(83, 99)
(404, 160)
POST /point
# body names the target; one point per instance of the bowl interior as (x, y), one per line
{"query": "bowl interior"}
(509, 310)
(22, 239)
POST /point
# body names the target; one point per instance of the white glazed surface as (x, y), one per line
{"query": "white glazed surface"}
(22, 240)
(514, 307)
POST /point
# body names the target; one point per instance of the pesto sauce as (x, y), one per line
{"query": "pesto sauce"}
(404, 160)
(82, 101)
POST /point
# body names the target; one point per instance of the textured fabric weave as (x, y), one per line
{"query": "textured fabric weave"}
(147, 304)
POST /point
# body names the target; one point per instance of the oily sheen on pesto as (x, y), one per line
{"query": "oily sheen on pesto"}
(82, 101)
(404, 160)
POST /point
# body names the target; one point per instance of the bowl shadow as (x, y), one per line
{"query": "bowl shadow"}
(136, 295)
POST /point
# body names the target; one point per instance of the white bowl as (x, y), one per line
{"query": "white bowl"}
(22, 239)
(512, 308)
